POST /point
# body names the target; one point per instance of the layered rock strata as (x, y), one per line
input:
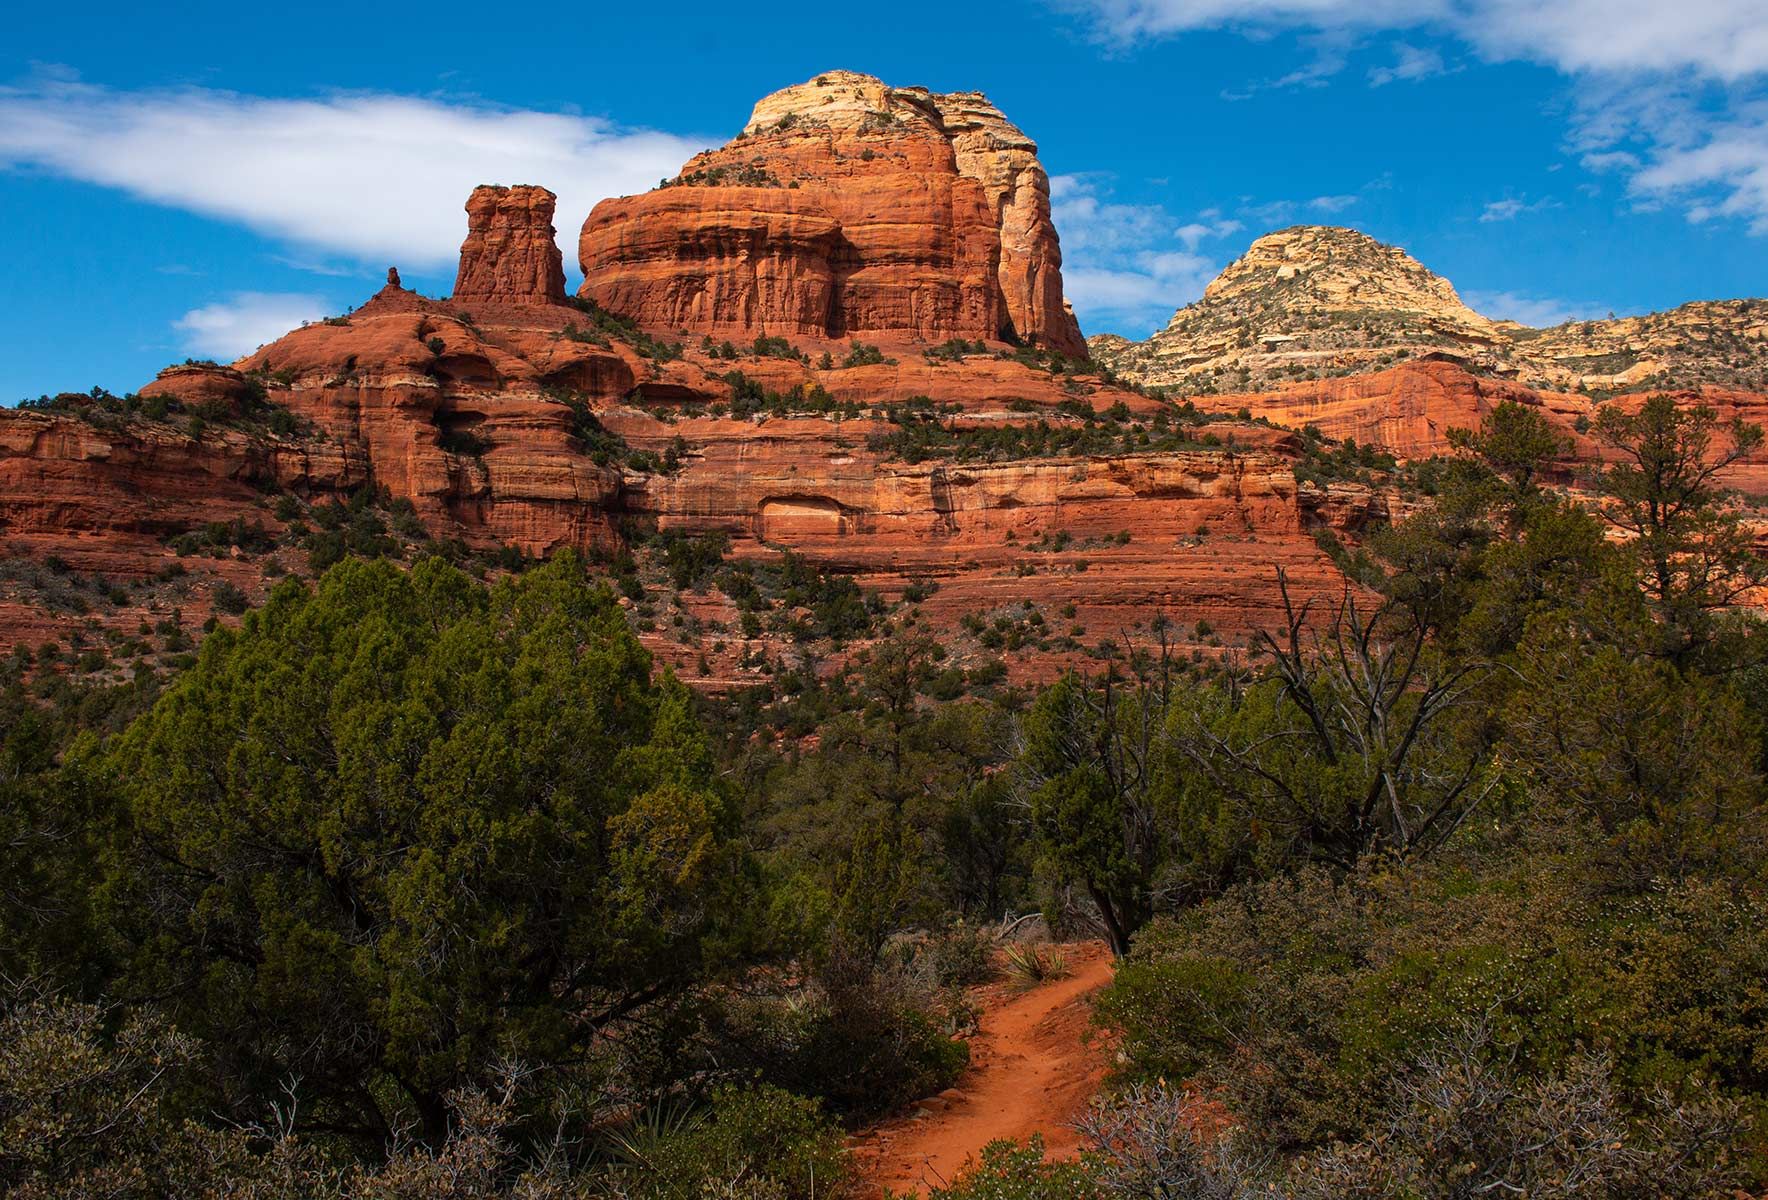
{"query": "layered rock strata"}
(511, 255)
(845, 208)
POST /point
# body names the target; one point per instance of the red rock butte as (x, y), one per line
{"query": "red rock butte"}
(845, 208)
(511, 255)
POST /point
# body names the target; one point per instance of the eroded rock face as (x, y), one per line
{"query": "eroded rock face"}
(846, 208)
(67, 483)
(202, 385)
(482, 412)
(474, 412)
(511, 255)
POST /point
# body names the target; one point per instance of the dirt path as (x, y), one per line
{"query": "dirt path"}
(1029, 1073)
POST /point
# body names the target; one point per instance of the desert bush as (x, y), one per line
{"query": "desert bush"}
(863, 1039)
(445, 824)
(1459, 1123)
(1007, 1171)
(752, 1142)
(960, 956)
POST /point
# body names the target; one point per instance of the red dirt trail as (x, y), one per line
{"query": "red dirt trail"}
(1029, 1073)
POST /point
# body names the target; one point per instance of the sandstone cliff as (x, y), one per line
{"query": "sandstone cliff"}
(845, 208)
(1710, 343)
(507, 417)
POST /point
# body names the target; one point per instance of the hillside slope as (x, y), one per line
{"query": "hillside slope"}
(1317, 302)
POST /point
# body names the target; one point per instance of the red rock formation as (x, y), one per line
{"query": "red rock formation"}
(78, 484)
(473, 411)
(451, 415)
(461, 409)
(510, 255)
(846, 208)
(195, 385)
(1409, 410)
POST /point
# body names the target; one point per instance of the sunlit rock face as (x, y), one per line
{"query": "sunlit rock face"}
(845, 208)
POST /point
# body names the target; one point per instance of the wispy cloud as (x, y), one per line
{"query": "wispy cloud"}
(1329, 53)
(1510, 208)
(1092, 224)
(1411, 63)
(1270, 214)
(1724, 39)
(1208, 227)
(1126, 267)
(1539, 312)
(245, 321)
(370, 177)
(1667, 93)
(1714, 165)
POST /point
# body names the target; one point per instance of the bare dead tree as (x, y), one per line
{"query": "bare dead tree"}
(1353, 761)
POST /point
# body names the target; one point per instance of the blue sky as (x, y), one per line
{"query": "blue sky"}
(193, 185)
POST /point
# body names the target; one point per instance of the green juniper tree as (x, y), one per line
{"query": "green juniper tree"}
(400, 827)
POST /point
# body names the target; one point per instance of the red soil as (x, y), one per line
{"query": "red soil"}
(1032, 1070)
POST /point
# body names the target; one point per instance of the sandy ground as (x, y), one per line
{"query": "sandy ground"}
(1031, 1071)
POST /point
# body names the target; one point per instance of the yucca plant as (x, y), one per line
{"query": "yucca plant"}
(1028, 965)
(637, 1144)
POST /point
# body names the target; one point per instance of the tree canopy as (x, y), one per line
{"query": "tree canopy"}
(404, 821)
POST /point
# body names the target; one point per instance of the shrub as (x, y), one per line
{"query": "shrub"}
(779, 1144)
(419, 899)
(860, 354)
(229, 599)
(961, 956)
(865, 1040)
(463, 442)
(1176, 1015)
(1009, 1171)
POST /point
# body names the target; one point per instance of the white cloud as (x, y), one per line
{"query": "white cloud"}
(1126, 267)
(245, 321)
(1715, 170)
(1667, 93)
(1536, 311)
(1142, 290)
(1130, 20)
(1411, 63)
(1510, 208)
(1211, 227)
(1331, 204)
(1611, 160)
(1270, 214)
(372, 177)
(1719, 39)
(1091, 224)
(1722, 39)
